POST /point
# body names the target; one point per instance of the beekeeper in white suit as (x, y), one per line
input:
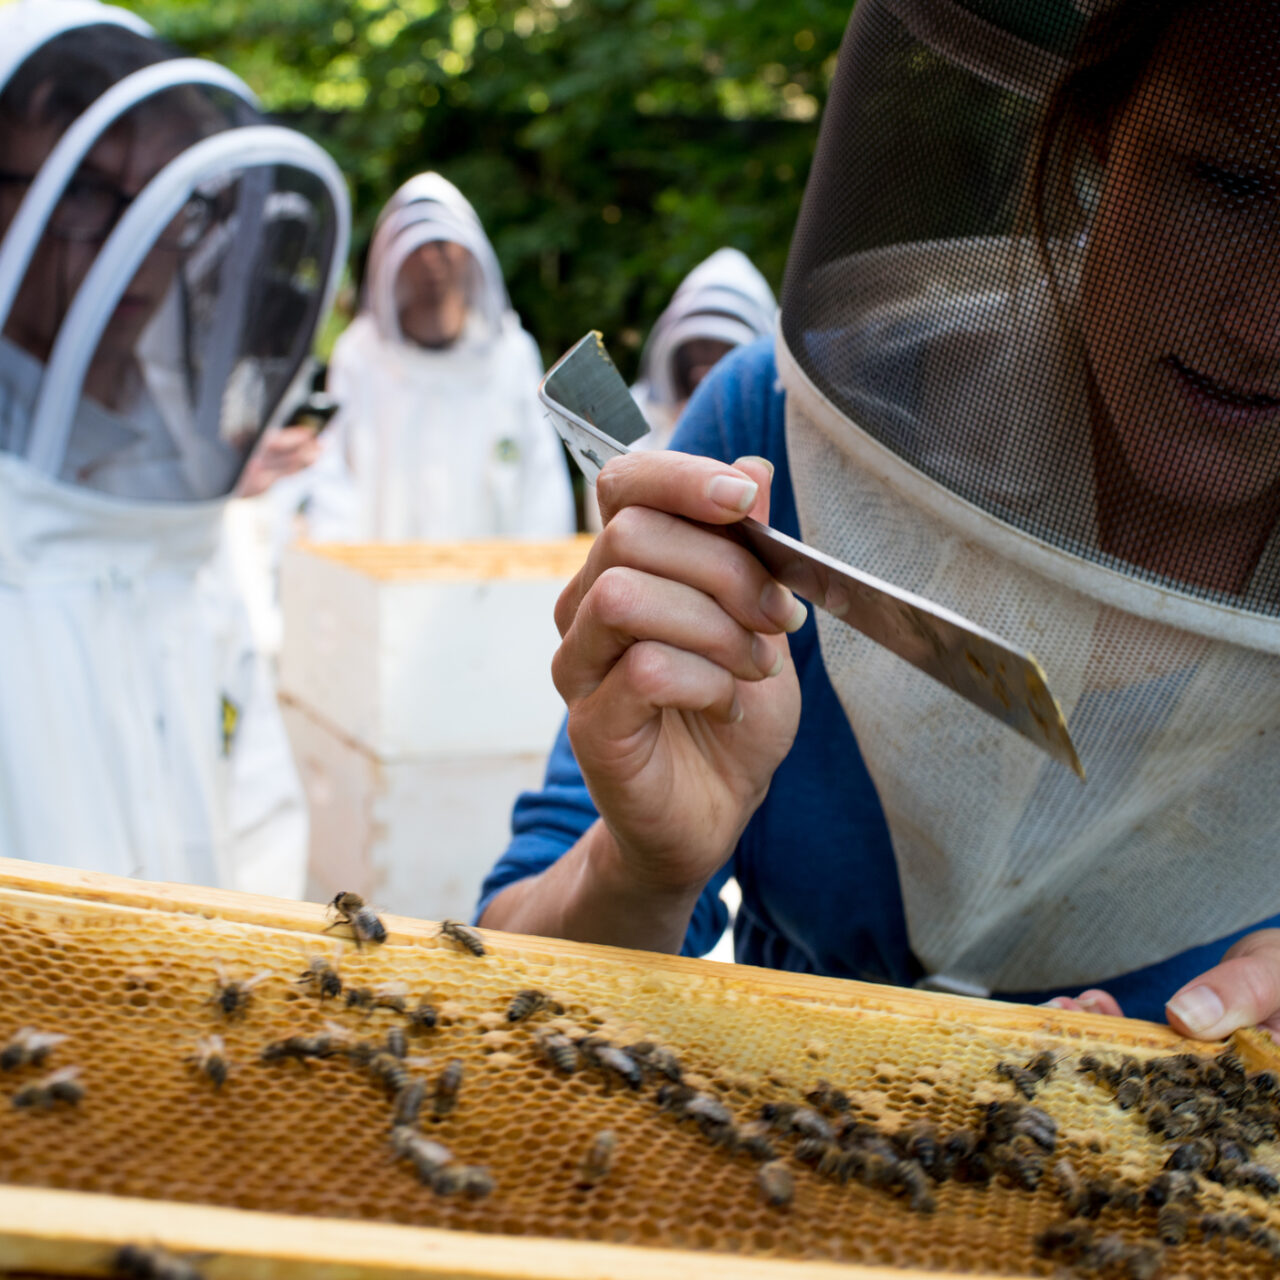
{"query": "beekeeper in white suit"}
(722, 304)
(151, 332)
(440, 435)
(1029, 367)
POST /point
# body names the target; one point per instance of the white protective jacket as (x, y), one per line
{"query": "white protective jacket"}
(437, 445)
(139, 733)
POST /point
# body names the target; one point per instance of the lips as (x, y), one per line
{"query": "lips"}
(1228, 396)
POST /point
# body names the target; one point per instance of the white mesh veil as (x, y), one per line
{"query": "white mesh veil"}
(165, 256)
(425, 210)
(1031, 344)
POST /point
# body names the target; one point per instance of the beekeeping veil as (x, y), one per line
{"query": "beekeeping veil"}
(428, 209)
(1031, 345)
(165, 258)
(724, 299)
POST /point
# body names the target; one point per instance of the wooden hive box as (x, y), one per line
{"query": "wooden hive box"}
(286, 1170)
(416, 684)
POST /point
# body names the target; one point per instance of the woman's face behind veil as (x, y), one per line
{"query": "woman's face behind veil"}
(113, 173)
(1181, 281)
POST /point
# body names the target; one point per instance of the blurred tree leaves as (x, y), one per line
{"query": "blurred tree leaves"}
(608, 145)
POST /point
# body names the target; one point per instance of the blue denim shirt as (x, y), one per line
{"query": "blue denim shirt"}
(820, 891)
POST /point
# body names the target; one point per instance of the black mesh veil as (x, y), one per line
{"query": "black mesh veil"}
(1038, 260)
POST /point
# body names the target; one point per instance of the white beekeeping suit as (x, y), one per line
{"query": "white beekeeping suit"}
(1029, 345)
(438, 442)
(723, 303)
(149, 330)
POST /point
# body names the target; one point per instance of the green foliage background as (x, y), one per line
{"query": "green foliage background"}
(608, 145)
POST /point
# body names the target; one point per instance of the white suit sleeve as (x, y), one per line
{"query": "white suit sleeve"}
(546, 493)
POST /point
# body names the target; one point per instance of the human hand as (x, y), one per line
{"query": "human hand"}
(279, 453)
(1242, 991)
(675, 666)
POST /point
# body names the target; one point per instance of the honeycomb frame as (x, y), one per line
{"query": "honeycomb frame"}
(69, 1224)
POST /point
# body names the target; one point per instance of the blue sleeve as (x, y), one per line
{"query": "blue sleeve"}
(545, 824)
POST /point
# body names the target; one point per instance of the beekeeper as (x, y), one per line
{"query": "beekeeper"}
(722, 304)
(149, 338)
(1029, 367)
(440, 435)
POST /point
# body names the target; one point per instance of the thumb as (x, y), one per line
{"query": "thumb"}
(1243, 991)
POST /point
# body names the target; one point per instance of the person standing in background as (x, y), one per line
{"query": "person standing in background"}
(440, 435)
(152, 331)
(722, 304)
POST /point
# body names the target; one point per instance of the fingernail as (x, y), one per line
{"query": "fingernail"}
(736, 712)
(733, 494)
(1200, 1009)
(755, 457)
(765, 656)
(1088, 1001)
(780, 606)
(1058, 1002)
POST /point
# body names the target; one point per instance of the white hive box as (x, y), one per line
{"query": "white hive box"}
(417, 693)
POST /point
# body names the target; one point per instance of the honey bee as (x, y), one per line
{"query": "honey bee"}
(448, 1082)
(708, 1112)
(1264, 1084)
(558, 1050)
(777, 1184)
(1035, 1124)
(210, 1058)
(1256, 1176)
(1021, 1162)
(612, 1060)
(1064, 1241)
(28, 1047)
(665, 1063)
(231, 996)
(809, 1124)
(914, 1183)
(391, 1072)
(133, 1262)
(408, 1104)
(1069, 1185)
(351, 910)
(826, 1157)
(1128, 1094)
(919, 1141)
(1173, 1185)
(427, 1157)
(469, 1180)
(464, 935)
(397, 1043)
(1200, 1153)
(390, 995)
(424, 1017)
(754, 1138)
(778, 1114)
(598, 1160)
(1022, 1079)
(524, 1004)
(300, 1048)
(1171, 1224)
(61, 1086)
(825, 1097)
(324, 977)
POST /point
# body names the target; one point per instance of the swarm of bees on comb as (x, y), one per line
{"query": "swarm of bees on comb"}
(452, 1087)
